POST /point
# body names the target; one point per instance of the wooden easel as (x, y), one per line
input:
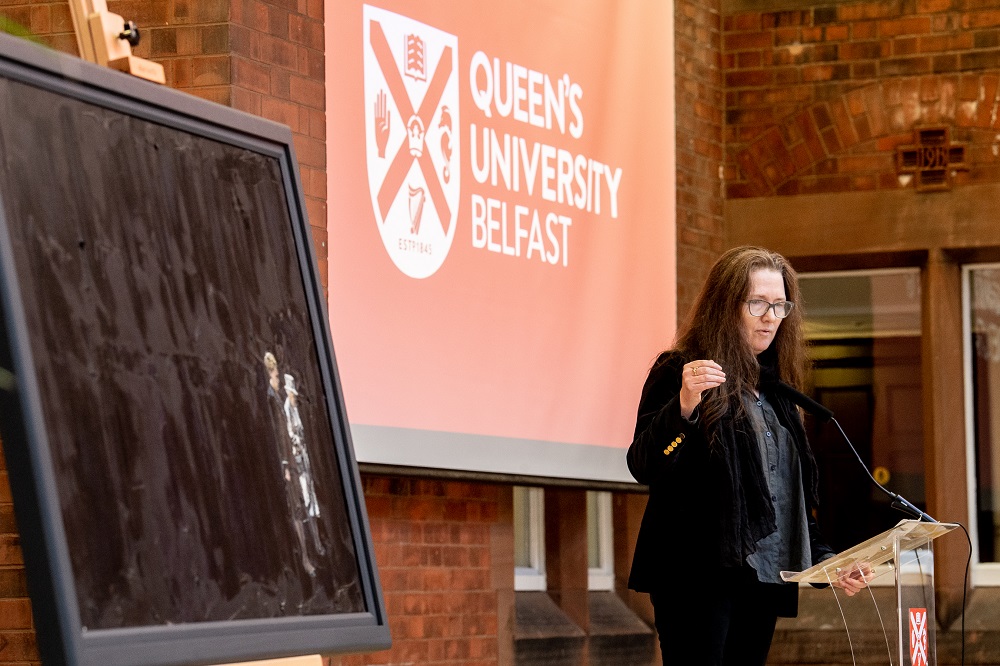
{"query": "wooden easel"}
(107, 39)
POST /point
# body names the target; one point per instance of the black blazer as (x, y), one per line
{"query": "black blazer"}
(680, 535)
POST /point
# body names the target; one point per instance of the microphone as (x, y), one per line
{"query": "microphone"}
(824, 414)
(807, 403)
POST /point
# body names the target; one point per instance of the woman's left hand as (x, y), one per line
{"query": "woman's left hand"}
(855, 579)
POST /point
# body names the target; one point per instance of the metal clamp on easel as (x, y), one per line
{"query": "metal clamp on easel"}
(107, 39)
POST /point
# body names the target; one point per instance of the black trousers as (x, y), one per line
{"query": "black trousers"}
(720, 623)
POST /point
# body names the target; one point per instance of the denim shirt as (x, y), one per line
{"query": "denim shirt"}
(787, 548)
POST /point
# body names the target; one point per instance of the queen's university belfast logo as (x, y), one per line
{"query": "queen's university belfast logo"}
(918, 637)
(412, 138)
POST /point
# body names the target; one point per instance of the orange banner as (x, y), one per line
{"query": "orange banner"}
(501, 214)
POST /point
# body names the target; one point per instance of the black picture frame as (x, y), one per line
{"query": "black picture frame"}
(47, 443)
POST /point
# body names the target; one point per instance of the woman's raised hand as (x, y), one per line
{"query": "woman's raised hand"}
(696, 378)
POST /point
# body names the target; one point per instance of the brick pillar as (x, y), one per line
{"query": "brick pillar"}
(628, 509)
(700, 100)
(566, 554)
(944, 425)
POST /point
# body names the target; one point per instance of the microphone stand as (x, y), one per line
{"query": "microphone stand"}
(899, 502)
(822, 413)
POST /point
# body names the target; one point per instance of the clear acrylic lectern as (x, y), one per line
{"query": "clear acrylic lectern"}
(899, 626)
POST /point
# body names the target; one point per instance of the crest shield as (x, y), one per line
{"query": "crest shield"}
(412, 138)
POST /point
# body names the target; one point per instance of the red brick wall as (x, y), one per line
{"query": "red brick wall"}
(443, 549)
(17, 633)
(700, 99)
(818, 100)
(190, 40)
(50, 22)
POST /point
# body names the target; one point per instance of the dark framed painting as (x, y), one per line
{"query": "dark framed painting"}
(171, 414)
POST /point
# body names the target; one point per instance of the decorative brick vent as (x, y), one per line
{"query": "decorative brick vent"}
(931, 159)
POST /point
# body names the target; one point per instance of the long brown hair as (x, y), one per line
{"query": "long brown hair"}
(715, 331)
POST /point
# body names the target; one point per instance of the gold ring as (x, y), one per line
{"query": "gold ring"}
(694, 369)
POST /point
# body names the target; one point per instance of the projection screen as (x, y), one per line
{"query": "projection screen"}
(501, 186)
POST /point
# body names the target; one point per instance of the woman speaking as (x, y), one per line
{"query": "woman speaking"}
(732, 479)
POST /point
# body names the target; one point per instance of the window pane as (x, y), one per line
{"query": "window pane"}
(984, 299)
(529, 539)
(593, 532)
(522, 528)
(864, 334)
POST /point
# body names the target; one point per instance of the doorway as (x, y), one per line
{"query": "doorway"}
(864, 333)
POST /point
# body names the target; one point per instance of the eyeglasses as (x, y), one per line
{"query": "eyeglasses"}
(759, 308)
